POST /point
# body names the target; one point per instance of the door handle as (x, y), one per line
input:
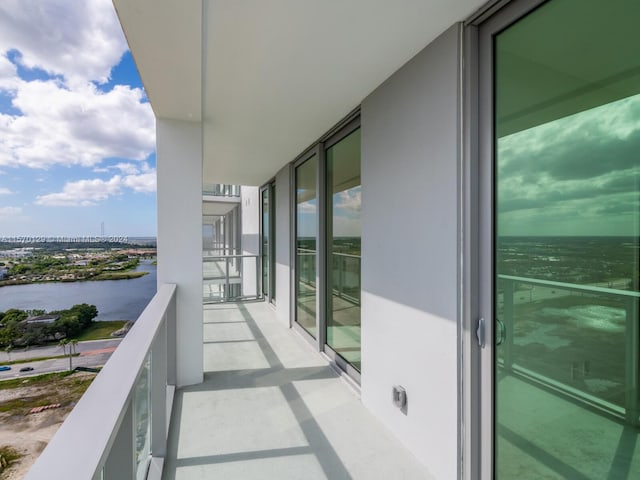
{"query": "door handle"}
(503, 333)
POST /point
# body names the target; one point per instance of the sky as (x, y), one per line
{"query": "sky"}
(77, 133)
(574, 176)
(345, 214)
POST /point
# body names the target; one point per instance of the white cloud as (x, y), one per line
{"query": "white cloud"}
(75, 127)
(67, 120)
(5, 191)
(87, 193)
(8, 74)
(79, 39)
(142, 183)
(349, 200)
(83, 193)
(306, 207)
(127, 168)
(7, 212)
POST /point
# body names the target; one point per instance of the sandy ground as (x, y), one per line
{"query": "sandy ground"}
(29, 434)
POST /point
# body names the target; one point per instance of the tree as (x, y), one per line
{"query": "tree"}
(74, 344)
(85, 313)
(63, 344)
(8, 349)
(68, 325)
(14, 315)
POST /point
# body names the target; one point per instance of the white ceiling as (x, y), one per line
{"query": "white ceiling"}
(276, 74)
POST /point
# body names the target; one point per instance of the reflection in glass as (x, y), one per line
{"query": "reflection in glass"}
(265, 242)
(272, 251)
(142, 422)
(306, 244)
(343, 247)
(567, 243)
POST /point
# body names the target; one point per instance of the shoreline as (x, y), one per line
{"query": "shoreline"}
(122, 276)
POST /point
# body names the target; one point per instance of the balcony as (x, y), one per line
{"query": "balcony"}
(269, 407)
(221, 190)
(230, 277)
(567, 361)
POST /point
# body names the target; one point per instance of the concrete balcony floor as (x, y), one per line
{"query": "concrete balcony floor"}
(271, 407)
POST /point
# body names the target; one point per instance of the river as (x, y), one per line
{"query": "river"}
(115, 299)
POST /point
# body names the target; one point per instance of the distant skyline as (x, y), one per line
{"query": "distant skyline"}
(77, 133)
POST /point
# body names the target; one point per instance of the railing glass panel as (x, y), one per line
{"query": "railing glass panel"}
(221, 190)
(142, 422)
(231, 278)
(108, 434)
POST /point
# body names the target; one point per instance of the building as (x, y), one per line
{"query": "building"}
(410, 156)
(41, 319)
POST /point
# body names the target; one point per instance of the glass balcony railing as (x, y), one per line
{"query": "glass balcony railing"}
(346, 277)
(118, 429)
(345, 271)
(221, 190)
(228, 278)
(578, 340)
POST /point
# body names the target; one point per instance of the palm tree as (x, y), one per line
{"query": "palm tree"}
(63, 344)
(8, 349)
(74, 343)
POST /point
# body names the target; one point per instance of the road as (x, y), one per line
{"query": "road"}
(52, 351)
(92, 354)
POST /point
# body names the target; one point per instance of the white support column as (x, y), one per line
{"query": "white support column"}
(250, 239)
(179, 159)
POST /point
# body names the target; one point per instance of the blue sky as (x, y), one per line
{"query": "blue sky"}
(77, 134)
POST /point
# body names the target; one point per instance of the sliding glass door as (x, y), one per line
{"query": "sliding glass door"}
(343, 233)
(327, 246)
(265, 228)
(268, 231)
(306, 244)
(566, 186)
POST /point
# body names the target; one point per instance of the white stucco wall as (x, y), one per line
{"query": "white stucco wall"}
(250, 199)
(410, 138)
(179, 166)
(283, 244)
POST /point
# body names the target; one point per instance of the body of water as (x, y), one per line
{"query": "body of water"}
(115, 299)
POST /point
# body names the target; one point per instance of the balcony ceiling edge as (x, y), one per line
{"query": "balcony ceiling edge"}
(267, 79)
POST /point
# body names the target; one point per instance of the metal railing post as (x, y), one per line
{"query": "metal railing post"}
(170, 322)
(632, 361)
(508, 292)
(227, 292)
(341, 275)
(258, 276)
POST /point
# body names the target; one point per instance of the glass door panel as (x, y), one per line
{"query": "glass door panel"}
(306, 244)
(343, 248)
(567, 199)
(272, 249)
(266, 244)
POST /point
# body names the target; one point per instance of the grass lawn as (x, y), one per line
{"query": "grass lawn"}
(8, 455)
(100, 330)
(119, 275)
(59, 387)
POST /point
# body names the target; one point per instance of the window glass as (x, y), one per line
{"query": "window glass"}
(306, 244)
(567, 188)
(344, 191)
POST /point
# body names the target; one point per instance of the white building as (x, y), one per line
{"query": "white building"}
(425, 166)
